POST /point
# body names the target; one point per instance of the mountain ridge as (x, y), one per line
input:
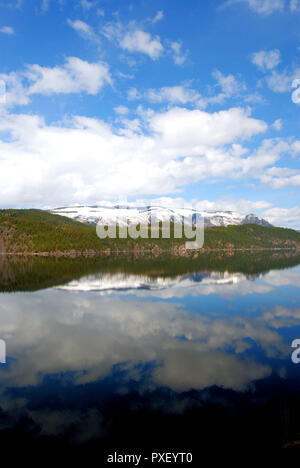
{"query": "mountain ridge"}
(38, 232)
(94, 214)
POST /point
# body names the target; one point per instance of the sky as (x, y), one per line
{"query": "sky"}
(163, 102)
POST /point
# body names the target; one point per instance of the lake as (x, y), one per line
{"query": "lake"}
(138, 354)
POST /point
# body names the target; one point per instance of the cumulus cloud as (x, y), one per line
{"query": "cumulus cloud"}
(133, 94)
(176, 50)
(8, 30)
(122, 110)
(172, 95)
(86, 159)
(277, 125)
(281, 82)
(193, 129)
(133, 39)
(284, 216)
(141, 41)
(15, 91)
(277, 176)
(229, 85)
(266, 60)
(75, 76)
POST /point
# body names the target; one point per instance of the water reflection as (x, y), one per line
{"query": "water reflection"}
(108, 283)
(82, 353)
(225, 283)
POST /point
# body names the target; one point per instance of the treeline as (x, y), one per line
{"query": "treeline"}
(37, 231)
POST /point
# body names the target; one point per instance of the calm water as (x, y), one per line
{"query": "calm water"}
(125, 360)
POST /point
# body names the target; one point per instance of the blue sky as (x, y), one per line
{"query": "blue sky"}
(165, 100)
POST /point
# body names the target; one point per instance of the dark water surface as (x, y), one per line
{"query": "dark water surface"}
(131, 354)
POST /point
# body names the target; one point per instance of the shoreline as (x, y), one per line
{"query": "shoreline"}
(177, 252)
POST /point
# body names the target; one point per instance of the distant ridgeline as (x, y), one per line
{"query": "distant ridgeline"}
(43, 233)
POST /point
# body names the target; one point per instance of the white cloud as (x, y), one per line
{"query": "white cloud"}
(289, 217)
(281, 82)
(112, 31)
(86, 4)
(7, 30)
(45, 5)
(179, 56)
(75, 76)
(16, 93)
(275, 176)
(294, 5)
(280, 177)
(158, 17)
(229, 84)
(277, 125)
(122, 110)
(266, 60)
(133, 38)
(84, 30)
(264, 7)
(141, 41)
(228, 203)
(182, 127)
(173, 95)
(12, 4)
(284, 177)
(87, 160)
(133, 94)
(296, 93)
(254, 98)
(230, 87)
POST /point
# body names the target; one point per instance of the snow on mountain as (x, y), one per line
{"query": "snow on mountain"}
(143, 215)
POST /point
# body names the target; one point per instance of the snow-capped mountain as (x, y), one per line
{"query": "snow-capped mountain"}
(143, 215)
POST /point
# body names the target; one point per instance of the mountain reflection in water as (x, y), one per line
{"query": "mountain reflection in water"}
(108, 283)
(117, 359)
